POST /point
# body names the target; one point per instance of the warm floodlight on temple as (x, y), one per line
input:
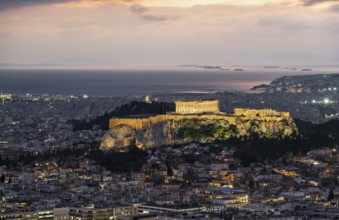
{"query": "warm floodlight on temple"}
(148, 131)
(197, 107)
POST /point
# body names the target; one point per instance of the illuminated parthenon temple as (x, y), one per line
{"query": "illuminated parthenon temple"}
(197, 107)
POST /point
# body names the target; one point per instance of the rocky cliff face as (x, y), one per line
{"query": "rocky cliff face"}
(118, 136)
(179, 132)
(267, 129)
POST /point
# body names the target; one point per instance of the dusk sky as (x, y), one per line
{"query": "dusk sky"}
(170, 32)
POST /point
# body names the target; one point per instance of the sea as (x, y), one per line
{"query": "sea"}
(121, 82)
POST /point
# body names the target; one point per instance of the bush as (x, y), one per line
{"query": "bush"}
(133, 108)
(200, 132)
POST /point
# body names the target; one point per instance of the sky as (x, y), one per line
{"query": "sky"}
(169, 32)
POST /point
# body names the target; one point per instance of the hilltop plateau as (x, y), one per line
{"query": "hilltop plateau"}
(172, 128)
(185, 131)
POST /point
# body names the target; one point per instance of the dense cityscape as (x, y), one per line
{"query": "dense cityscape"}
(50, 170)
(169, 110)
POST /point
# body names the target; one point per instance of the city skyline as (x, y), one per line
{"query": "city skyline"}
(167, 33)
(169, 109)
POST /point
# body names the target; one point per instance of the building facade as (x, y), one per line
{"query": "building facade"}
(69, 213)
(197, 107)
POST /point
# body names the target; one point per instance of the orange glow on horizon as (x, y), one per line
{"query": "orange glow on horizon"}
(173, 3)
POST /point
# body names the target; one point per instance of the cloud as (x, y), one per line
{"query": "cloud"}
(155, 17)
(138, 9)
(335, 8)
(285, 23)
(313, 2)
(12, 4)
(139, 33)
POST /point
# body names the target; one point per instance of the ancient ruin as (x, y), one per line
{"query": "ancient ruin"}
(157, 130)
(200, 110)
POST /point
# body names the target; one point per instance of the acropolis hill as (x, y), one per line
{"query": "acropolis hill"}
(152, 131)
(201, 110)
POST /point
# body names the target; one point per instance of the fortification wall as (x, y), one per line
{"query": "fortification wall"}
(259, 113)
(144, 123)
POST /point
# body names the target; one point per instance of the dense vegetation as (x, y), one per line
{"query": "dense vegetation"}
(133, 108)
(205, 131)
(328, 128)
(311, 136)
(258, 150)
(131, 160)
(209, 130)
